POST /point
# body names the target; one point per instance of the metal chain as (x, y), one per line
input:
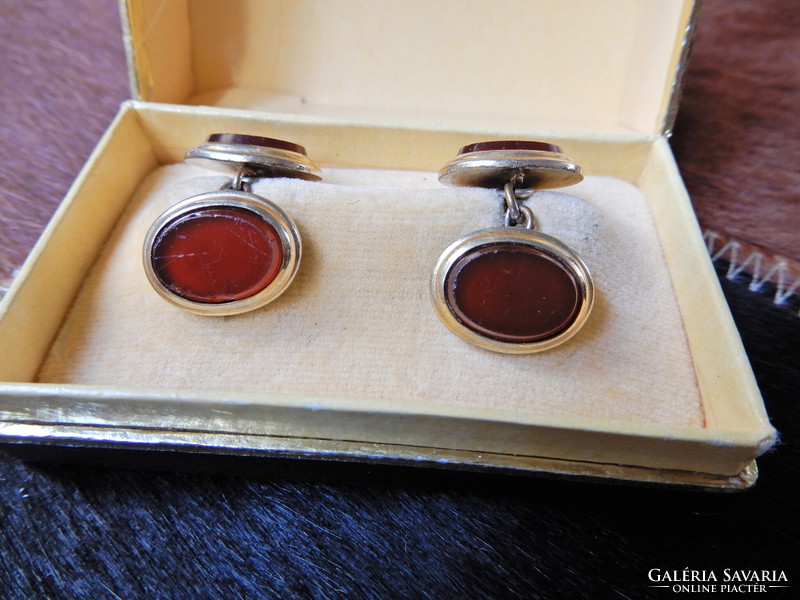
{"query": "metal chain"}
(239, 181)
(527, 219)
(516, 213)
(512, 202)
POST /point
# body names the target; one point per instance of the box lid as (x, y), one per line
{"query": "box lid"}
(509, 65)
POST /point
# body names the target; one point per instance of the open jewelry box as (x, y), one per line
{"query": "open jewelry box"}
(351, 364)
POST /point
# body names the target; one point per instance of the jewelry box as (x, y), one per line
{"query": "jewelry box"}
(351, 364)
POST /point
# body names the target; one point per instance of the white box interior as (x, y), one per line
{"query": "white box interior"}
(577, 66)
(358, 321)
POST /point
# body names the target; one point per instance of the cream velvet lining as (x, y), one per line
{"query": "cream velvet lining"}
(357, 321)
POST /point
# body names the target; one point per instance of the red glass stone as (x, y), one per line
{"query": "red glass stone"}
(218, 254)
(254, 140)
(510, 145)
(513, 293)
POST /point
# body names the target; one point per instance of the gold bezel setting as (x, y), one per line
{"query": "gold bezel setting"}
(264, 161)
(569, 260)
(271, 213)
(536, 169)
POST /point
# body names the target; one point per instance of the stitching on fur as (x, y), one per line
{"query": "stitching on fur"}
(762, 267)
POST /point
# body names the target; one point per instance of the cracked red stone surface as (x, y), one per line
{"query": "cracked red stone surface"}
(217, 255)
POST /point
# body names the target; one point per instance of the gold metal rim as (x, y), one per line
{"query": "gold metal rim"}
(537, 170)
(513, 235)
(265, 161)
(270, 212)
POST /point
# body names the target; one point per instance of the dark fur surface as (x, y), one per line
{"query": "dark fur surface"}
(81, 532)
(61, 82)
(736, 138)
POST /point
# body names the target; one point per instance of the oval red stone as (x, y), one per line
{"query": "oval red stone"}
(513, 293)
(218, 254)
(254, 140)
(510, 145)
